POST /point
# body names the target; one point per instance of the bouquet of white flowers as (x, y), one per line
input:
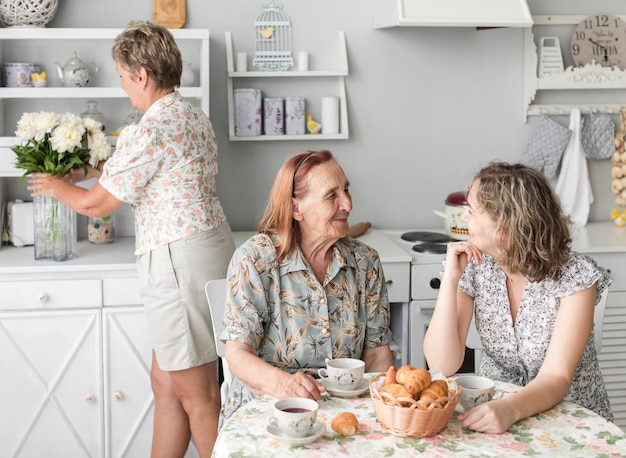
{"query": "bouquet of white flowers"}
(55, 143)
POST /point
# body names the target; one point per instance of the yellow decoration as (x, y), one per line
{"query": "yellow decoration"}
(266, 33)
(619, 217)
(313, 126)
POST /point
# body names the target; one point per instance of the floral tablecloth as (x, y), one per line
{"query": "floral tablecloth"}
(565, 430)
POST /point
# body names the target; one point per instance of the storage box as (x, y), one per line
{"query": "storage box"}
(273, 116)
(247, 112)
(20, 223)
(294, 116)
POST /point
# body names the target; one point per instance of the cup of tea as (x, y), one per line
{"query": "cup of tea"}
(295, 417)
(343, 373)
(475, 390)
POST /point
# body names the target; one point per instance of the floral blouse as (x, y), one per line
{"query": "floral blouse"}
(164, 167)
(293, 321)
(514, 352)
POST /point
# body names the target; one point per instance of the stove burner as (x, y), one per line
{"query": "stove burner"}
(422, 236)
(430, 248)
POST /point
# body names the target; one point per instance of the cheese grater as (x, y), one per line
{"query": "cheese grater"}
(550, 57)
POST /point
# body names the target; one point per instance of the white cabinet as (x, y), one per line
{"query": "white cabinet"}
(278, 81)
(49, 46)
(129, 403)
(589, 88)
(51, 400)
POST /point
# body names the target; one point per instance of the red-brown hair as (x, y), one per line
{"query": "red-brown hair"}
(289, 183)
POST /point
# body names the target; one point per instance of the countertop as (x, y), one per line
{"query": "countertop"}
(118, 256)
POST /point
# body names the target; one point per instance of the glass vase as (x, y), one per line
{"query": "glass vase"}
(55, 229)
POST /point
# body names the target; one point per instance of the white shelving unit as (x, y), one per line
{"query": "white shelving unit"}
(48, 46)
(258, 76)
(582, 81)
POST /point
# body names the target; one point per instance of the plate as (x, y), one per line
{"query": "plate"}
(333, 391)
(318, 431)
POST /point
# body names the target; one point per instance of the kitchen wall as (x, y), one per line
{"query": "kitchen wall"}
(427, 106)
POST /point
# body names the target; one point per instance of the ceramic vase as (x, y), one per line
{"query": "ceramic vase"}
(54, 229)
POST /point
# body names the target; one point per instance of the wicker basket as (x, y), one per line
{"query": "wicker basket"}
(27, 13)
(420, 418)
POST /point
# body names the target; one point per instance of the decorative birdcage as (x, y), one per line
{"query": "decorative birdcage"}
(272, 35)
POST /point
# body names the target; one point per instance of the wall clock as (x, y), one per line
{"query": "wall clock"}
(600, 38)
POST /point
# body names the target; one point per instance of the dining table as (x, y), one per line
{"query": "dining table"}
(566, 429)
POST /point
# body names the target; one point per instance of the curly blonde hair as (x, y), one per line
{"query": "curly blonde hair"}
(532, 231)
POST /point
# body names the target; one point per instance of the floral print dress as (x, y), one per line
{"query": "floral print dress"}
(514, 352)
(294, 322)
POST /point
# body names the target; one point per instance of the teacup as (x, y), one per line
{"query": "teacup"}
(343, 373)
(295, 417)
(475, 390)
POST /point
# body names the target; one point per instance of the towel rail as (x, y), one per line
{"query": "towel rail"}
(565, 109)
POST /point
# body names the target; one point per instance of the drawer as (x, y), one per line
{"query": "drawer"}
(616, 264)
(51, 294)
(425, 281)
(397, 276)
(121, 291)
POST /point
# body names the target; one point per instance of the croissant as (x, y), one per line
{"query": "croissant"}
(437, 390)
(345, 423)
(416, 381)
(401, 374)
(391, 375)
(397, 391)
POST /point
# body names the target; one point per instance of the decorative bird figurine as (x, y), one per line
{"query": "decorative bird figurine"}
(266, 33)
(619, 217)
(313, 126)
(39, 79)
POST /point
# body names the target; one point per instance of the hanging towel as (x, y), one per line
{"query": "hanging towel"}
(573, 186)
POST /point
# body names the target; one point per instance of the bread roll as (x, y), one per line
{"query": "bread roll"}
(416, 381)
(397, 391)
(438, 389)
(345, 423)
(401, 374)
(390, 377)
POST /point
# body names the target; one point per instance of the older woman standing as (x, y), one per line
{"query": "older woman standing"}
(301, 291)
(164, 167)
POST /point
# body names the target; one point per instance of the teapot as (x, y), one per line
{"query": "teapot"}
(75, 72)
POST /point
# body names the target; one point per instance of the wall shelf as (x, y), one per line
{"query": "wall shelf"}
(581, 80)
(258, 77)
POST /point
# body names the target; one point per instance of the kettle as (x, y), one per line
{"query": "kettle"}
(75, 72)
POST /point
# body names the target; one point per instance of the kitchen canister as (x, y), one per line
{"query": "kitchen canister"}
(247, 112)
(295, 115)
(18, 74)
(93, 113)
(330, 115)
(273, 116)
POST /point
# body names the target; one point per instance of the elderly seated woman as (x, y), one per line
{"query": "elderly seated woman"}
(301, 291)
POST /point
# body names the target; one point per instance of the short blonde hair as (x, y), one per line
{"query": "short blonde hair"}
(151, 46)
(532, 232)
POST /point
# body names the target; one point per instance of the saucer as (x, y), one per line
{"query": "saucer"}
(318, 431)
(334, 391)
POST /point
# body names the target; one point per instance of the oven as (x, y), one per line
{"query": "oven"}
(427, 249)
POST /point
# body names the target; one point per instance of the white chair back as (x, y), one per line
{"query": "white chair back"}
(216, 295)
(473, 339)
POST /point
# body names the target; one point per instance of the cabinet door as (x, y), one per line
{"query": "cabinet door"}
(129, 405)
(50, 387)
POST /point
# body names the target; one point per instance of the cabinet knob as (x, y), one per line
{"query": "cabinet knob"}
(43, 297)
(389, 282)
(435, 283)
(89, 398)
(118, 396)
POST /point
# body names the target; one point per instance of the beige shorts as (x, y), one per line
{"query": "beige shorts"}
(172, 279)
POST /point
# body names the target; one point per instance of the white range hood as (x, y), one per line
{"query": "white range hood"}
(451, 13)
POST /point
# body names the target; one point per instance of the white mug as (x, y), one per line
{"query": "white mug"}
(343, 373)
(475, 390)
(295, 417)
